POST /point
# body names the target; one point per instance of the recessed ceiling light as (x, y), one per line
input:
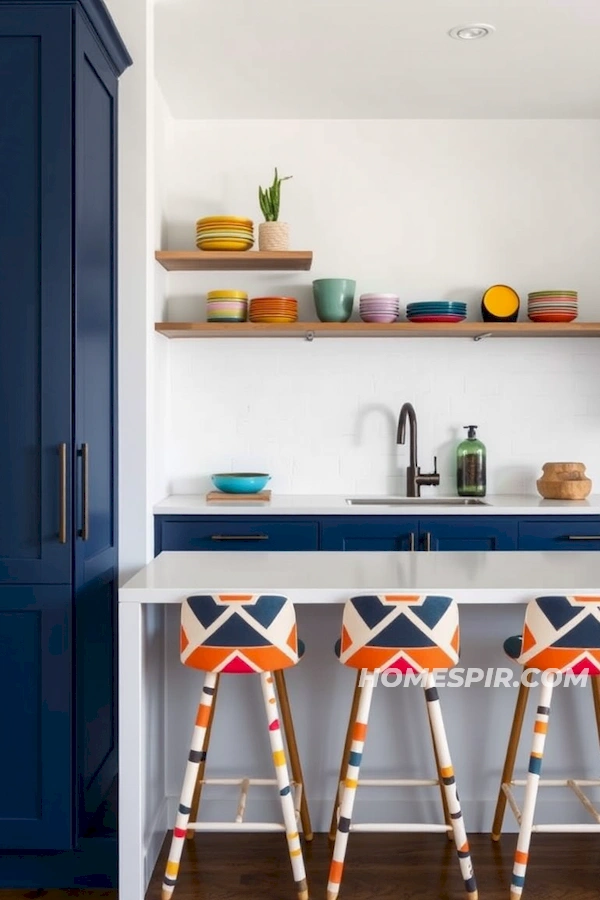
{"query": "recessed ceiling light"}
(471, 32)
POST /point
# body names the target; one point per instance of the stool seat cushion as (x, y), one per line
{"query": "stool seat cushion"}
(239, 633)
(560, 633)
(406, 633)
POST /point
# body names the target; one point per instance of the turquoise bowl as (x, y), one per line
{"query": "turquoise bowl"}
(240, 482)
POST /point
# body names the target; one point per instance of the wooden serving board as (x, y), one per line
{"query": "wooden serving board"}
(222, 496)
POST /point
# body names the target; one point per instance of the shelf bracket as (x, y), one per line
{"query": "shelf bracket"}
(309, 336)
(481, 337)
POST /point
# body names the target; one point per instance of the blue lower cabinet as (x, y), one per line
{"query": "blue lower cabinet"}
(580, 533)
(235, 533)
(370, 533)
(468, 533)
(36, 755)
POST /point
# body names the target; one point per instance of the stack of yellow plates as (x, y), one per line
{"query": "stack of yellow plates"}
(224, 233)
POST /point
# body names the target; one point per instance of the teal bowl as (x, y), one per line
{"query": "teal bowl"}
(240, 482)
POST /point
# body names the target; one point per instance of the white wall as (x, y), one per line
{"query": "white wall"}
(134, 19)
(428, 209)
(143, 133)
(158, 368)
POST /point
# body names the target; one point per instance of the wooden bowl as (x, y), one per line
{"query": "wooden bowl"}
(572, 486)
(556, 469)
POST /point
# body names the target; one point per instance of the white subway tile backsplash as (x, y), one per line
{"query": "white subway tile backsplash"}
(258, 406)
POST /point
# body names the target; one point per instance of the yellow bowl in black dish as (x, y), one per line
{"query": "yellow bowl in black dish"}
(500, 303)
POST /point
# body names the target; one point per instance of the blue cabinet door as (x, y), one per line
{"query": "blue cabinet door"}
(95, 307)
(369, 533)
(577, 533)
(36, 285)
(95, 125)
(35, 699)
(468, 533)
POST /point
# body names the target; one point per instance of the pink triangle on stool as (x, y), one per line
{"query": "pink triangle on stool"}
(586, 665)
(238, 666)
(400, 665)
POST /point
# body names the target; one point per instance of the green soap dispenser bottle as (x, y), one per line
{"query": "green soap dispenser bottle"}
(470, 465)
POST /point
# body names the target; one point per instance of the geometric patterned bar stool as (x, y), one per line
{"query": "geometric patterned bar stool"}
(405, 634)
(560, 634)
(241, 635)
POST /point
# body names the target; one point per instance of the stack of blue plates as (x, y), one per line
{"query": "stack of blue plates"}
(436, 311)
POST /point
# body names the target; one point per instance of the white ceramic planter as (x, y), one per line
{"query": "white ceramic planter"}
(273, 236)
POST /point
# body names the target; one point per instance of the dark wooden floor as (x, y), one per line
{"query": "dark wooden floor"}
(384, 867)
(378, 867)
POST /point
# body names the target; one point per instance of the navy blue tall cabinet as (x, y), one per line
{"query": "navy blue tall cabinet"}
(59, 65)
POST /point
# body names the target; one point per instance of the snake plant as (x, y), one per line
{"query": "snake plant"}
(269, 198)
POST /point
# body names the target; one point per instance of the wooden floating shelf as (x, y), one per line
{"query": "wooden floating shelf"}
(228, 261)
(311, 330)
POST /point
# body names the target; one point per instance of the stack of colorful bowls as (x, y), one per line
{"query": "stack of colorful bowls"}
(436, 311)
(224, 233)
(379, 307)
(552, 306)
(226, 306)
(278, 310)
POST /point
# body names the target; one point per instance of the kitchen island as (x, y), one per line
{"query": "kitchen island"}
(157, 695)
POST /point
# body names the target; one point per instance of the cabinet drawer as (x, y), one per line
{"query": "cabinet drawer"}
(560, 534)
(391, 533)
(240, 534)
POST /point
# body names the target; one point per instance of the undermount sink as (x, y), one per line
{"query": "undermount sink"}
(415, 501)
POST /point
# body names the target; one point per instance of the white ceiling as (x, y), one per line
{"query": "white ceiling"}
(337, 59)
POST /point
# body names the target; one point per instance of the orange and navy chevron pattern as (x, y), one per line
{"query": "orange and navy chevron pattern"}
(407, 633)
(560, 633)
(238, 633)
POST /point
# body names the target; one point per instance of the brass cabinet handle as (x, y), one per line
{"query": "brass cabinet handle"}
(85, 491)
(428, 540)
(583, 537)
(239, 537)
(62, 493)
(411, 541)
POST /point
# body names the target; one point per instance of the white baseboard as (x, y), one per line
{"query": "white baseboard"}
(156, 834)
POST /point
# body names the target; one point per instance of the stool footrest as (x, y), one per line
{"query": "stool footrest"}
(260, 782)
(244, 785)
(398, 782)
(561, 828)
(575, 785)
(235, 826)
(399, 827)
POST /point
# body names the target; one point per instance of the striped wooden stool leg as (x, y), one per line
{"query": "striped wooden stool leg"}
(511, 755)
(283, 783)
(447, 818)
(189, 781)
(449, 782)
(359, 733)
(540, 729)
(596, 696)
(202, 767)
(290, 737)
(344, 764)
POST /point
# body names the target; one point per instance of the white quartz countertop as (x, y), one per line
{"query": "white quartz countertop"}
(332, 576)
(336, 505)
